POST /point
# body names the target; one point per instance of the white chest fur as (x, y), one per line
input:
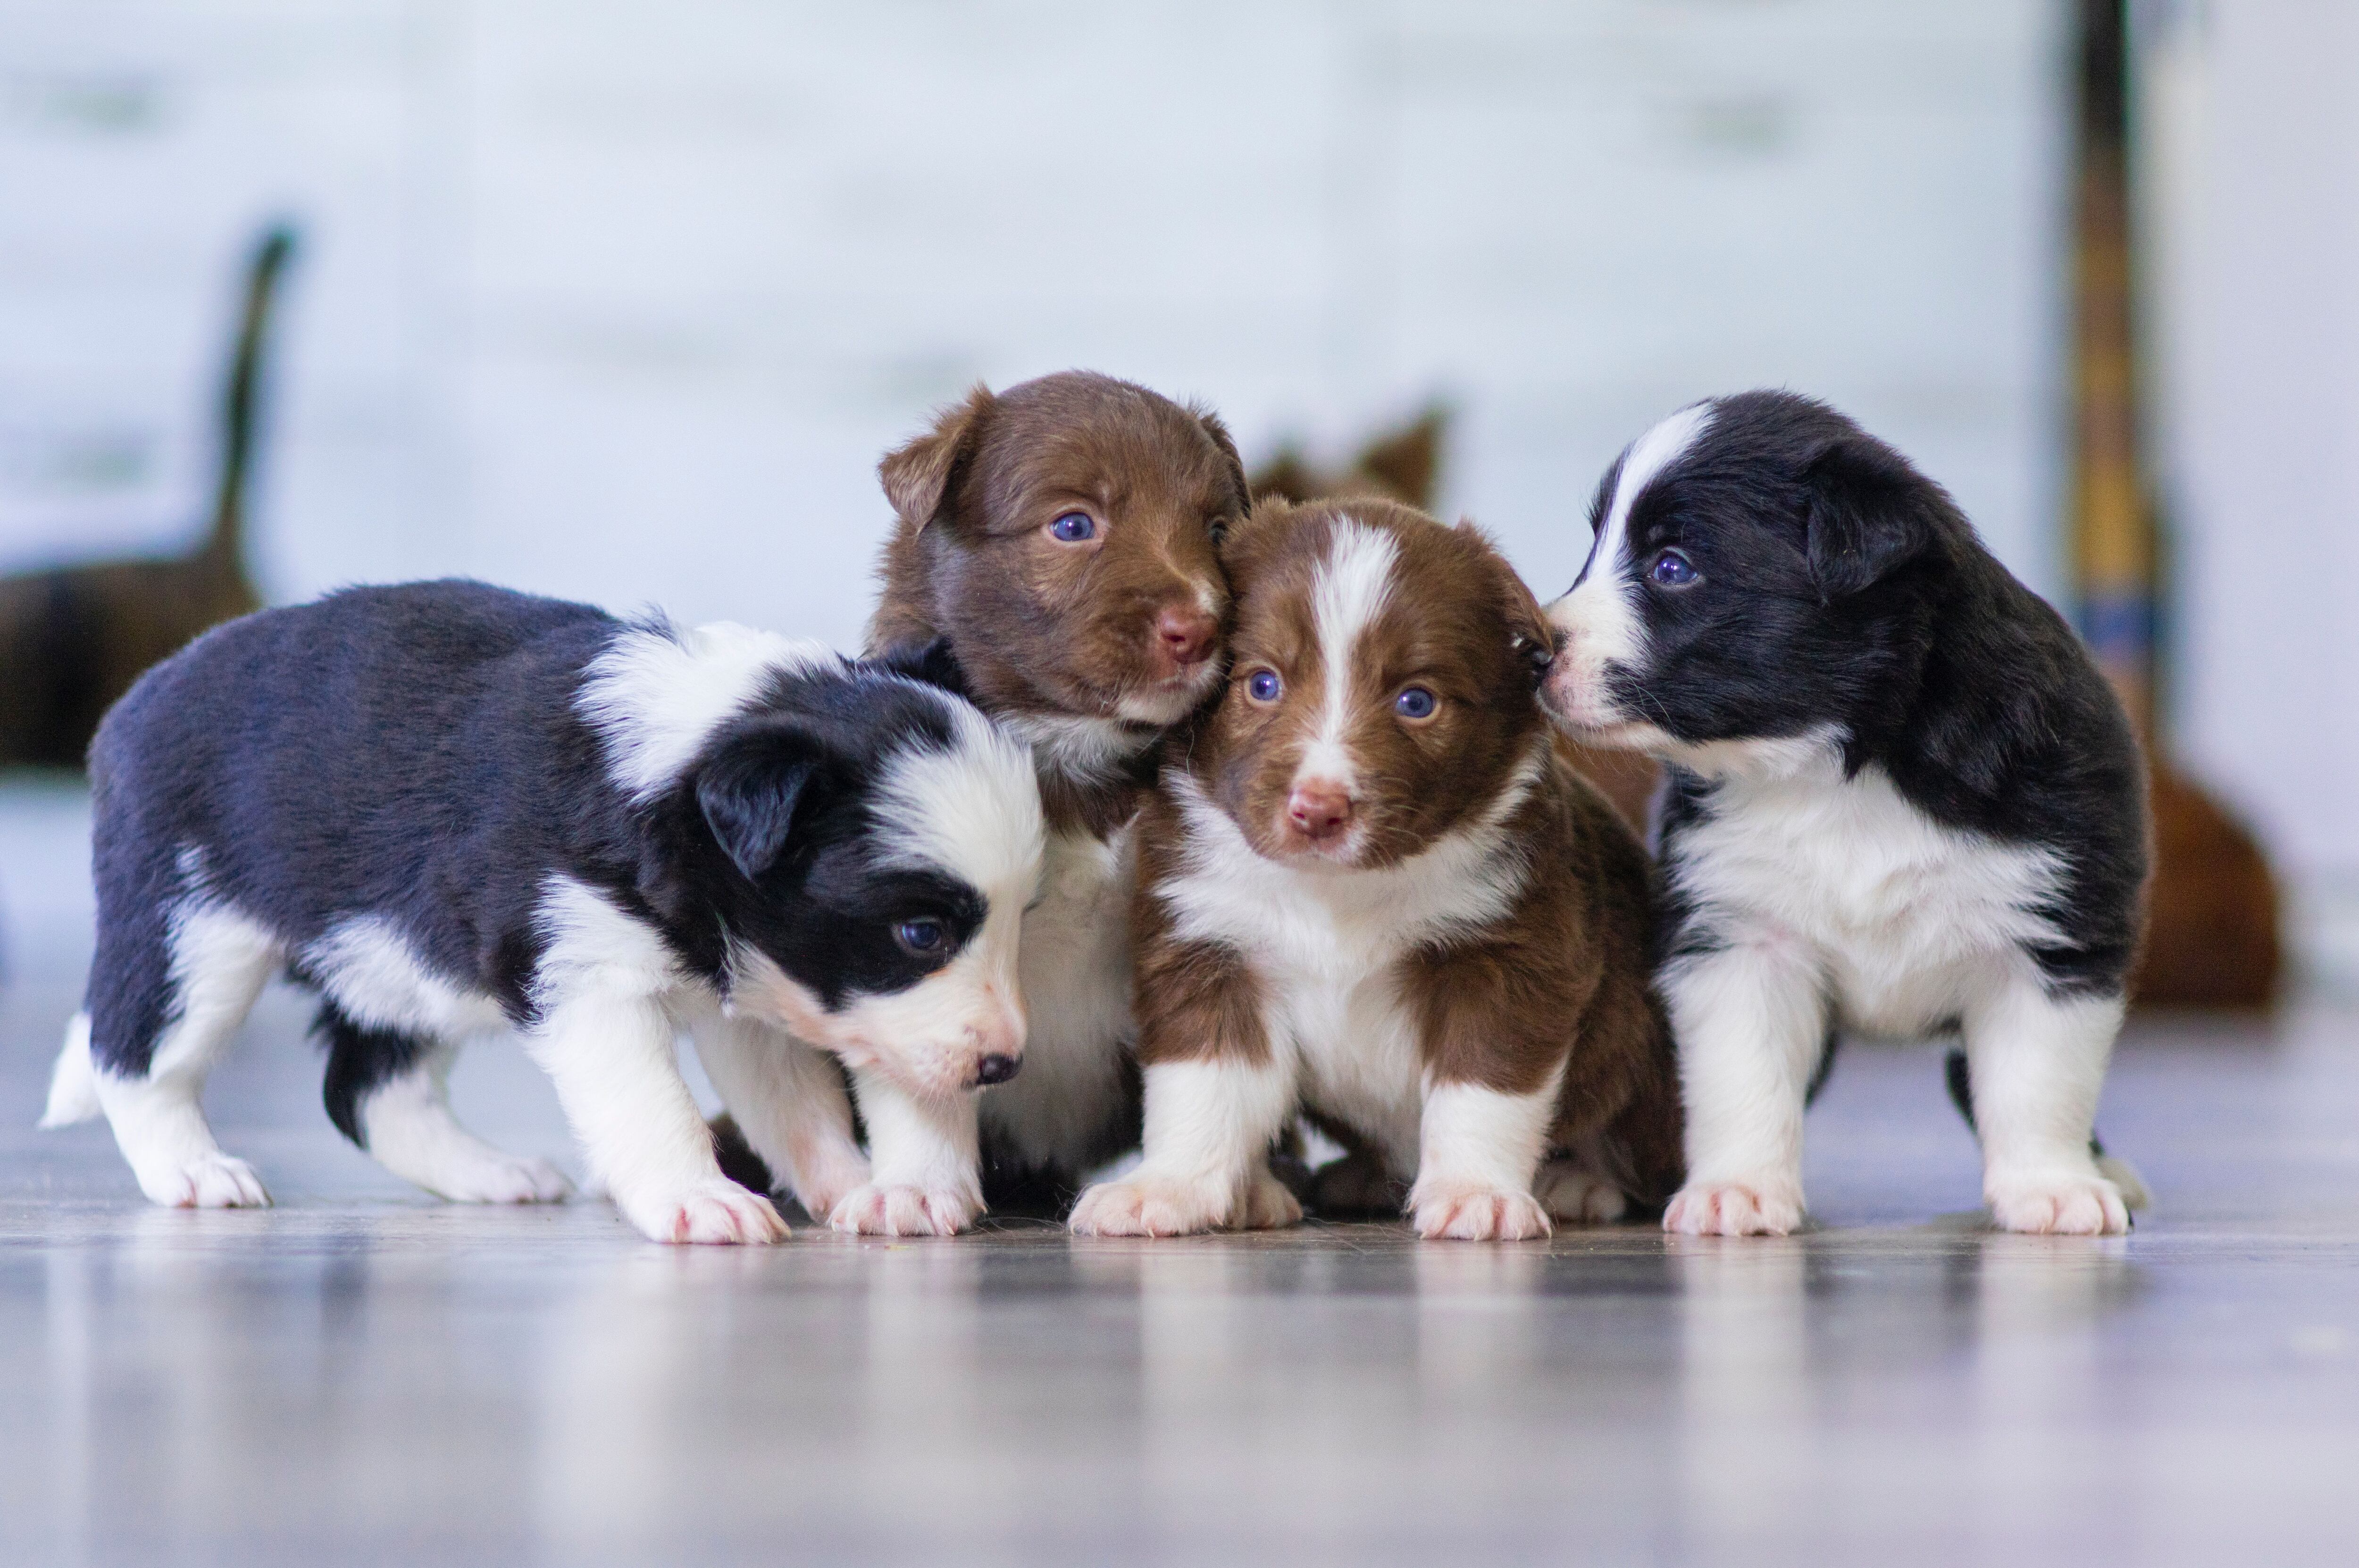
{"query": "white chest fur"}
(1903, 916)
(1326, 947)
(1074, 964)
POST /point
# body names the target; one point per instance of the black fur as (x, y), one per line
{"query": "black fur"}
(1842, 586)
(415, 753)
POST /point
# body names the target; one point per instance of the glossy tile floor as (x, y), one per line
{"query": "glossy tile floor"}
(360, 1374)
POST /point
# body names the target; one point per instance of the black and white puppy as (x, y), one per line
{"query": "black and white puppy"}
(1900, 799)
(451, 809)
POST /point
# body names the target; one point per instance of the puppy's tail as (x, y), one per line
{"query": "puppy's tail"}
(73, 1082)
(2136, 1194)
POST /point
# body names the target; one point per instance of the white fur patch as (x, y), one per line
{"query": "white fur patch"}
(369, 969)
(221, 961)
(1600, 616)
(1485, 1138)
(595, 949)
(1353, 583)
(1078, 747)
(411, 1132)
(655, 699)
(1905, 921)
(972, 810)
(1074, 961)
(1325, 943)
(73, 1082)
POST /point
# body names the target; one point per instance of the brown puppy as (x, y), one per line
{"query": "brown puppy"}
(1059, 540)
(1370, 889)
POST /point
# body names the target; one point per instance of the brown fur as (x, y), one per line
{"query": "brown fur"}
(1404, 464)
(1045, 630)
(72, 640)
(1560, 978)
(1044, 627)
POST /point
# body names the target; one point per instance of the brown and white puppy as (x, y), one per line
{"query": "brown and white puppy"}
(1057, 541)
(1370, 890)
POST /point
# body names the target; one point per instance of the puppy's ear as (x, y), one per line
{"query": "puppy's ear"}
(920, 475)
(930, 662)
(1531, 640)
(752, 789)
(1870, 514)
(1218, 430)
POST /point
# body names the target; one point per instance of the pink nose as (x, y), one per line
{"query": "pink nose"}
(1319, 809)
(1185, 633)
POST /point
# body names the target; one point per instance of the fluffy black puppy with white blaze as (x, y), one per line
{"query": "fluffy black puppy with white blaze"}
(1900, 799)
(451, 809)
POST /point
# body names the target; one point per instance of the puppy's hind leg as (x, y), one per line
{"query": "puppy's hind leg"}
(388, 1092)
(2038, 1063)
(165, 998)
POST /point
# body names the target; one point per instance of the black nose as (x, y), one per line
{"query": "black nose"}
(996, 1070)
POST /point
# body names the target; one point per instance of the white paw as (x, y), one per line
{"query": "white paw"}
(878, 1210)
(1733, 1209)
(717, 1211)
(2060, 1204)
(1267, 1205)
(1456, 1211)
(1576, 1195)
(1150, 1205)
(503, 1178)
(213, 1180)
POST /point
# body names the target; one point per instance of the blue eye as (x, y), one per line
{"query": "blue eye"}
(920, 936)
(1671, 570)
(1415, 702)
(1263, 685)
(1073, 528)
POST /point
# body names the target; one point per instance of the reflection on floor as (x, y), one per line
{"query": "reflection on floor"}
(363, 1375)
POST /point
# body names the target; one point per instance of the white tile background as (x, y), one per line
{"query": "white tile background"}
(622, 301)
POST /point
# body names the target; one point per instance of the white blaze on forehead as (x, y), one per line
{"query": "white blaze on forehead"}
(972, 809)
(1347, 594)
(1600, 616)
(655, 697)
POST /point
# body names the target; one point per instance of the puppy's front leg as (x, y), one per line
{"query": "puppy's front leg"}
(1217, 1090)
(1750, 1020)
(611, 1059)
(1477, 1149)
(1209, 1124)
(927, 1160)
(789, 1100)
(2038, 1061)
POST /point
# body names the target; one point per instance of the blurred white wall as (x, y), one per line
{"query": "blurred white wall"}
(2250, 114)
(623, 301)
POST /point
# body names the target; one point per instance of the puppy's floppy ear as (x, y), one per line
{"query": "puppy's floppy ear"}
(1530, 639)
(919, 475)
(1218, 430)
(930, 662)
(1869, 514)
(752, 788)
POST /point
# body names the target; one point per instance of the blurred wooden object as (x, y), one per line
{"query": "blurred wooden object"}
(74, 638)
(2212, 919)
(1404, 464)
